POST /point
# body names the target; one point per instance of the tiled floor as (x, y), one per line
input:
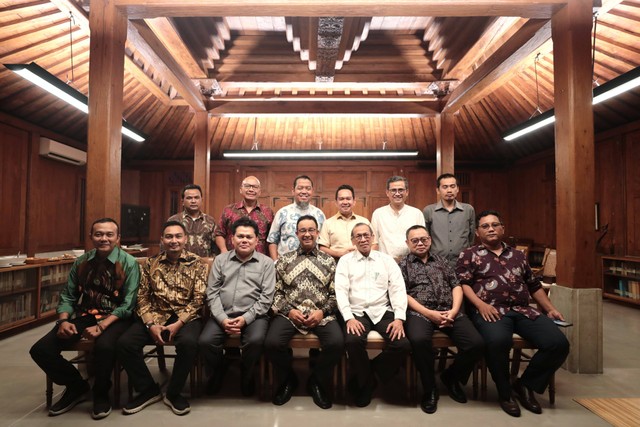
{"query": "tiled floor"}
(22, 395)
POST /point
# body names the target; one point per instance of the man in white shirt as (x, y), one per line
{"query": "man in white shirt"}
(390, 222)
(371, 295)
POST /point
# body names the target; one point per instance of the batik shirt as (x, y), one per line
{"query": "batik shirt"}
(283, 229)
(200, 232)
(172, 289)
(431, 283)
(504, 281)
(101, 286)
(304, 281)
(261, 214)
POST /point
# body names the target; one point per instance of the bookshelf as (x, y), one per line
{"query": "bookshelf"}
(621, 279)
(30, 293)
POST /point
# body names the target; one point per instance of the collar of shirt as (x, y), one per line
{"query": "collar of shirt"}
(240, 205)
(113, 256)
(185, 258)
(412, 258)
(252, 258)
(505, 248)
(374, 255)
(342, 217)
(456, 206)
(313, 252)
(185, 215)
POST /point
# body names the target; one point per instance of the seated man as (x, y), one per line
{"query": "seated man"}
(239, 294)
(305, 301)
(170, 302)
(435, 297)
(95, 304)
(371, 295)
(497, 280)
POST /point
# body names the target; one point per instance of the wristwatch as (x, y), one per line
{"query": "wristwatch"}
(149, 325)
(61, 321)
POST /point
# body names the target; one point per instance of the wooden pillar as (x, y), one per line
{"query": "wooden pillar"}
(444, 143)
(575, 176)
(202, 155)
(104, 142)
(578, 295)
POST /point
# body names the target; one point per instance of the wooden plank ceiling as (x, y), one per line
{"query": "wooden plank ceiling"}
(296, 81)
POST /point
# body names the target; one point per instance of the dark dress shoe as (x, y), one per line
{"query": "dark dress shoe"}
(429, 402)
(510, 407)
(285, 391)
(527, 397)
(453, 387)
(363, 397)
(320, 398)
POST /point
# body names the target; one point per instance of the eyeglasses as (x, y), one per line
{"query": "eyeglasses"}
(307, 230)
(251, 186)
(397, 190)
(363, 236)
(486, 225)
(423, 240)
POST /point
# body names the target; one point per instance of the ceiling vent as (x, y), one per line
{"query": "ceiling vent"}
(63, 153)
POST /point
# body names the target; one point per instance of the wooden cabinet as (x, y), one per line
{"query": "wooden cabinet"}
(621, 278)
(29, 294)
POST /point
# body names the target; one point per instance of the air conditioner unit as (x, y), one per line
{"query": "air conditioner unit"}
(64, 153)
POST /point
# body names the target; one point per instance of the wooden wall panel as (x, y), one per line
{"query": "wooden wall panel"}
(130, 187)
(610, 174)
(223, 192)
(632, 151)
(14, 149)
(153, 192)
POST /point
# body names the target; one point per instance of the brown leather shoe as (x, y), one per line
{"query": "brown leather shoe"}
(526, 396)
(510, 407)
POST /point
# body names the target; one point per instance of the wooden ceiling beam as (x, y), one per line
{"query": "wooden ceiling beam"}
(541, 9)
(145, 80)
(168, 35)
(520, 47)
(422, 109)
(149, 46)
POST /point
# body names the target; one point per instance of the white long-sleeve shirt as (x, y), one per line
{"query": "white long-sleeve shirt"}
(390, 227)
(371, 285)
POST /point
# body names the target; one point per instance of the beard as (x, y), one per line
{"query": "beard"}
(302, 205)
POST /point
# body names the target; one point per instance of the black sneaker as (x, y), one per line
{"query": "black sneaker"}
(143, 400)
(178, 404)
(70, 398)
(101, 408)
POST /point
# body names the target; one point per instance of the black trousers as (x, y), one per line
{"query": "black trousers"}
(213, 337)
(130, 354)
(553, 349)
(46, 353)
(386, 364)
(277, 349)
(464, 335)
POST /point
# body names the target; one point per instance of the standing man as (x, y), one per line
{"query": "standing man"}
(169, 306)
(239, 294)
(249, 207)
(435, 297)
(95, 304)
(282, 236)
(390, 222)
(200, 226)
(451, 224)
(305, 301)
(498, 281)
(371, 296)
(335, 236)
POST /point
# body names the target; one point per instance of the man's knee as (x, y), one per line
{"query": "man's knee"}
(402, 345)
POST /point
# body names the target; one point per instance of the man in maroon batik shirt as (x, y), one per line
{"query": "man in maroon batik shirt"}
(498, 281)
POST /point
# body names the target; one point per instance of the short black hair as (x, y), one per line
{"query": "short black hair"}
(245, 221)
(415, 227)
(346, 187)
(307, 218)
(487, 213)
(103, 221)
(171, 224)
(445, 176)
(397, 178)
(295, 180)
(191, 187)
